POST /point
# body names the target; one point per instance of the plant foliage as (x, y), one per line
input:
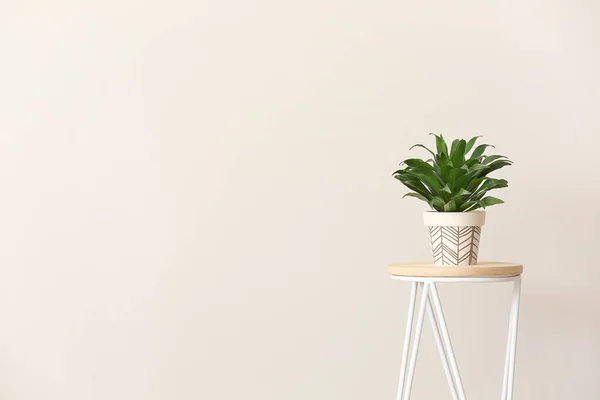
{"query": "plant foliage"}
(452, 180)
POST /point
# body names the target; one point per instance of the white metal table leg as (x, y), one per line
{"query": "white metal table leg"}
(511, 350)
(407, 337)
(447, 342)
(507, 356)
(431, 303)
(440, 346)
(417, 339)
(507, 359)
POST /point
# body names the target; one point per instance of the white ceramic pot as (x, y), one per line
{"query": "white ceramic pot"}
(454, 236)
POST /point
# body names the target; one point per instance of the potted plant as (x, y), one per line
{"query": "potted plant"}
(454, 183)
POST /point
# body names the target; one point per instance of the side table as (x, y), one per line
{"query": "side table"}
(424, 277)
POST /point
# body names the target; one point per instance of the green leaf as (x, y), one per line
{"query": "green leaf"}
(458, 153)
(466, 206)
(461, 182)
(445, 193)
(457, 178)
(456, 172)
(455, 143)
(498, 164)
(489, 159)
(450, 206)
(484, 185)
(413, 184)
(489, 201)
(416, 195)
(424, 172)
(471, 161)
(446, 189)
(424, 147)
(418, 163)
(429, 179)
(491, 183)
(479, 150)
(460, 196)
(474, 184)
(478, 170)
(440, 144)
(470, 144)
(445, 172)
(437, 203)
(442, 160)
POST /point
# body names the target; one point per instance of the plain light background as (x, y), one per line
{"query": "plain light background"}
(197, 201)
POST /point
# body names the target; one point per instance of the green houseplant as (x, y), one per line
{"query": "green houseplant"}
(454, 182)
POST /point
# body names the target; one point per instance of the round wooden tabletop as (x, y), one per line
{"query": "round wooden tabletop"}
(483, 269)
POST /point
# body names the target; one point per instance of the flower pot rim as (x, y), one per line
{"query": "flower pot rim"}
(470, 218)
(455, 212)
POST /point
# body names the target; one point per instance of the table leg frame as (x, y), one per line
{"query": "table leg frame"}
(430, 302)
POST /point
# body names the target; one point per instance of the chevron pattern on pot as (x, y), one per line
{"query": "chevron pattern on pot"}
(454, 245)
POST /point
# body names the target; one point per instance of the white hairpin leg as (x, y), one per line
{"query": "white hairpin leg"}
(441, 349)
(511, 348)
(430, 302)
(507, 357)
(417, 339)
(447, 342)
(407, 337)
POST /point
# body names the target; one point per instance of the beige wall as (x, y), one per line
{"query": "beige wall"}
(197, 202)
